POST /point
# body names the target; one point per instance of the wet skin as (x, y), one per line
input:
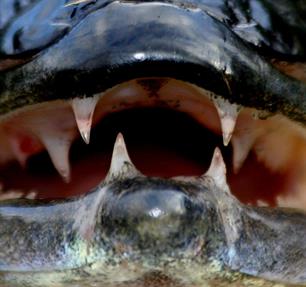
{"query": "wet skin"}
(151, 224)
(208, 227)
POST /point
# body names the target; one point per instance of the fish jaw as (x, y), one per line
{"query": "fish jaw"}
(225, 65)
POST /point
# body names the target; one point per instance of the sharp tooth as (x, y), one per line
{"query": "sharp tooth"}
(20, 156)
(228, 206)
(83, 109)
(121, 164)
(217, 170)
(228, 114)
(242, 145)
(31, 195)
(58, 149)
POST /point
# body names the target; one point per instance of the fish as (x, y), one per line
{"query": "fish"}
(211, 98)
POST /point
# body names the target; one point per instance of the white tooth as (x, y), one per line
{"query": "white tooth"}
(83, 109)
(121, 164)
(228, 114)
(228, 206)
(217, 170)
(262, 203)
(242, 144)
(58, 149)
(31, 195)
(10, 195)
(20, 156)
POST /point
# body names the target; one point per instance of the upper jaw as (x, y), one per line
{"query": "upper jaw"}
(227, 67)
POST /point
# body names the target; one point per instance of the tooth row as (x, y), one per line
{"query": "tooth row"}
(15, 194)
(52, 127)
(122, 167)
(42, 136)
(57, 138)
(84, 108)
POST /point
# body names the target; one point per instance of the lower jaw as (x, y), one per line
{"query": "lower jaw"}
(170, 129)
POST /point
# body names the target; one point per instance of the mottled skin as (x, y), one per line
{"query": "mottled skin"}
(226, 48)
(115, 228)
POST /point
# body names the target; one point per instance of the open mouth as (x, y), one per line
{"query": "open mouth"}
(177, 79)
(171, 129)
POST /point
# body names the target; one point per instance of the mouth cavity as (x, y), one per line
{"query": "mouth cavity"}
(171, 129)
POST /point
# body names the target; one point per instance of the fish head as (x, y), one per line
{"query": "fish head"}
(178, 78)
